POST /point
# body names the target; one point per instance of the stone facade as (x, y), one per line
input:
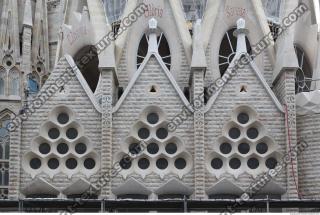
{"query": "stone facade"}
(209, 132)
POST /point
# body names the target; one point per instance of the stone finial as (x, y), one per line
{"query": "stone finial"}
(153, 43)
(241, 33)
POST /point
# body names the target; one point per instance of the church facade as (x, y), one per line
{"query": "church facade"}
(160, 100)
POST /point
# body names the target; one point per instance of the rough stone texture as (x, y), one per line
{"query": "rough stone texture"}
(137, 100)
(308, 130)
(76, 99)
(220, 113)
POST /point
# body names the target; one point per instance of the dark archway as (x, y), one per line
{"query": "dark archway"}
(87, 60)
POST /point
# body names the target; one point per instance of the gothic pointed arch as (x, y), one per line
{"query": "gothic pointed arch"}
(303, 76)
(163, 49)
(89, 69)
(14, 80)
(227, 49)
(3, 77)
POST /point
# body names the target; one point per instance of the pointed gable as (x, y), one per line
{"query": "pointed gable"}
(247, 85)
(152, 74)
(78, 187)
(224, 187)
(174, 186)
(40, 186)
(131, 186)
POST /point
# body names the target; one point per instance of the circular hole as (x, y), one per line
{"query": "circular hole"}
(63, 118)
(216, 163)
(243, 118)
(153, 118)
(72, 133)
(89, 163)
(162, 163)
(180, 163)
(235, 163)
(44, 148)
(253, 163)
(135, 148)
(125, 163)
(53, 163)
(81, 148)
(234, 133)
(71, 163)
(35, 163)
(252, 133)
(225, 148)
(153, 148)
(62, 148)
(171, 148)
(143, 133)
(54, 133)
(143, 163)
(262, 148)
(271, 163)
(38, 69)
(244, 148)
(162, 133)
(9, 63)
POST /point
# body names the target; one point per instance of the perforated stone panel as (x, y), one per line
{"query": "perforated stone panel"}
(244, 146)
(61, 147)
(152, 148)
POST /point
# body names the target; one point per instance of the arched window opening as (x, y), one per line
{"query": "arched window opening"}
(33, 83)
(163, 48)
(14, 78)
(303, 77)
(89, 68)
(2, 81)
(228, 49)
(4, 156)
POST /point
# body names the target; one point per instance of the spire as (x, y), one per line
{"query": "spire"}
(241, 33)
(27, 16)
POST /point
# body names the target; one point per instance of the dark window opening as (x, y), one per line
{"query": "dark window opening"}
(163, 49)
(216, 163)
(162, 163)
(87, 61)
(186, 92)
(234, 133)
(235, 163)
(143, 163)
(303, 77)
(162, 133)
(62, 148)
(153, 118)
(153, 89)
(227, 50)
(153, 148)
(120, 92)
(171, 148)
(225, 148)
(143, 133)
(244, 148)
